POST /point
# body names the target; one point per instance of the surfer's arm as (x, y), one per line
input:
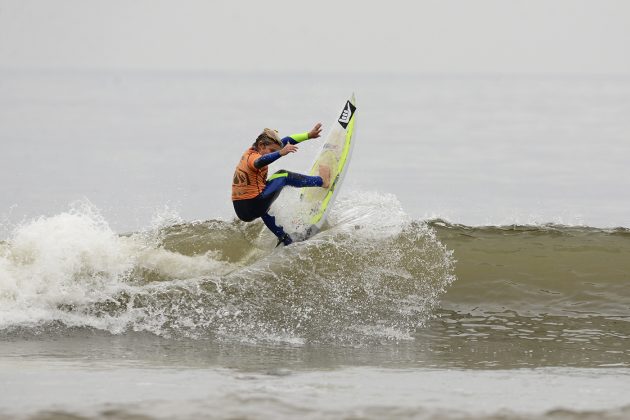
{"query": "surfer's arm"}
(295, 138)
(300, 137)
(267, 159)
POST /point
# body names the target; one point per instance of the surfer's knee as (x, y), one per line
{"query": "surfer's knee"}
(275, 183)
(282, 173)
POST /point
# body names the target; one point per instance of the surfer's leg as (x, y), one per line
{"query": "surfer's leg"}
(280, 179)
(272, 190)
(300, 180)
(270, 222)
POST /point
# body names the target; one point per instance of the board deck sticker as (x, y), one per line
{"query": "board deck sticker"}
(347, 114)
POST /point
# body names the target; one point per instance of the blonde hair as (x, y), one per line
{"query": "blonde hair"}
(268, 136)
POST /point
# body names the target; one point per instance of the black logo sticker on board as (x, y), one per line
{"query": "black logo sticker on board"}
(346, 114)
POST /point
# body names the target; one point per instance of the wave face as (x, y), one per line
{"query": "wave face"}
(533, 270)
(532, 296)
(362, 279)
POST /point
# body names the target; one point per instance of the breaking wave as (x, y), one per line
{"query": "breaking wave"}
(374, 274)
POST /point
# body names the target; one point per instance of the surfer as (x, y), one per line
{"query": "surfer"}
(253, 193)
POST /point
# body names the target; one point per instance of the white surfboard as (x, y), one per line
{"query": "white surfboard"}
(335, 153)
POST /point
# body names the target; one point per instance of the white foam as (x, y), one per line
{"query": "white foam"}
(76, 259)
(369, 214)
(64, 259)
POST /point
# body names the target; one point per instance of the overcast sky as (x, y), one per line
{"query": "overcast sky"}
(541, 36)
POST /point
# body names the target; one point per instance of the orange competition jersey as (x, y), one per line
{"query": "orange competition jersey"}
(248, 181)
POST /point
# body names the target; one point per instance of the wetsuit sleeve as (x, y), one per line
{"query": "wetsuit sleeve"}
(267, 159)
(295, 138)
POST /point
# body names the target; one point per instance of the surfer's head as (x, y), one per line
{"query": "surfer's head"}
(268, 139)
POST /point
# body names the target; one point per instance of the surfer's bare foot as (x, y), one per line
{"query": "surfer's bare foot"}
(324, 172)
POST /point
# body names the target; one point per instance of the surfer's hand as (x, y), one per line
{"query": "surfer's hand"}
(289, 148)
(315, 131)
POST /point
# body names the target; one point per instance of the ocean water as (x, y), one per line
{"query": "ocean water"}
(475, 264)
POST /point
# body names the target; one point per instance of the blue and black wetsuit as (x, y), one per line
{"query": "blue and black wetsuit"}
(248, 209)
